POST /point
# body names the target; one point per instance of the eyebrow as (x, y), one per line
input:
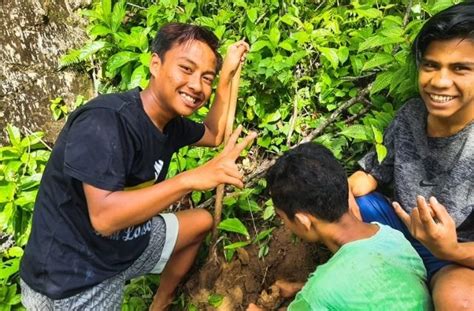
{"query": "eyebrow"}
(194, 64)
(451, 64)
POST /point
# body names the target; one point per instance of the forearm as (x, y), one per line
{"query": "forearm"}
(216, 118)
(121, 209)
(463, 254)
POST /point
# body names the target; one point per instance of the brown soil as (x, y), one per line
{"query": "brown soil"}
(248, 279)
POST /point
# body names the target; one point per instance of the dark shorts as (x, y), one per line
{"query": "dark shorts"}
(375, 207)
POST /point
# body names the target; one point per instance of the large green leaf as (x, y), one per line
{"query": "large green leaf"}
(14, 135)
(378, 60)
(139, 77)
(274, 36)
(331, 55)
(233, 225)
(92, 48)
(118, 60)
(356, 131)
(382, 81)
(379, 40)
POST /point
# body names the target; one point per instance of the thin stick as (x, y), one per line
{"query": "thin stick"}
(234, 90)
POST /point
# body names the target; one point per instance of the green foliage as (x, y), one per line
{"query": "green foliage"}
(215, 300)
(308, 59)
(139, 293)
(22, 164)
(60, 109)
(21, 167)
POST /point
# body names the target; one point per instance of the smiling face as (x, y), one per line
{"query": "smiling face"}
(446, 81)
(182, 81)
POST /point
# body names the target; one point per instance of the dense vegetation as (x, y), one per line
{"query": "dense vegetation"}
(331, 71)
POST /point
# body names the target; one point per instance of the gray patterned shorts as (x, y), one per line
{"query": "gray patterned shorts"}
(108, 294)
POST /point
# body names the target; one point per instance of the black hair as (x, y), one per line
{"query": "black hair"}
(178, 33)
(309, 179)
(456, 21)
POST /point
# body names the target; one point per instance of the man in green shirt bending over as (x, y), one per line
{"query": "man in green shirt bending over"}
(373, 267)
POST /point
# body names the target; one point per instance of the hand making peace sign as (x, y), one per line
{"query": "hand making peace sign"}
(222, 169)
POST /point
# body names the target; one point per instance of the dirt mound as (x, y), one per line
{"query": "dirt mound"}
(248, 279)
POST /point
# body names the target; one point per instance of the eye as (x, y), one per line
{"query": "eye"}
(428, 66)
(459, 68)
(186, 69)
(208, 79)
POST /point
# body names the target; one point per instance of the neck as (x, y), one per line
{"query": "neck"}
(347, 229)
(153, 108)
(444, 127)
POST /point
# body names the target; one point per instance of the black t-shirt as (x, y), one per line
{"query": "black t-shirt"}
(112, 144)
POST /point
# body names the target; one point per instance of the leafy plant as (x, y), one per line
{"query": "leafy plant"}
(21, 166)
(9, 289)
(333, 72)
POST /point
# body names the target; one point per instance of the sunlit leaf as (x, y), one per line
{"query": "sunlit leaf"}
(233, 225)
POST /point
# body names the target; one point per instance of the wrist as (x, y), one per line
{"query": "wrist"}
(226, 75)
(186, 180)
(456, 254)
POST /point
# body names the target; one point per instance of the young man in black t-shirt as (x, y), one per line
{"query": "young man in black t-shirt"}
(97, 220)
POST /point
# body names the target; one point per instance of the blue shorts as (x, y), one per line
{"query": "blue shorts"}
(375, 207)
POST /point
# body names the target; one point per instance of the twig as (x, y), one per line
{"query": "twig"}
(336, 114)
(358, 115)
(407, 13)
(293, 118)
(41, 140)
(234, 90)
(351, 78)
(136, 6)
(405, 23)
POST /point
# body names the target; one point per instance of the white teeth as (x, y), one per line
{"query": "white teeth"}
(441, 98)
(188, 98)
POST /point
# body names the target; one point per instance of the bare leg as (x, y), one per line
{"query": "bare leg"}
(453, 288)
(193, 227)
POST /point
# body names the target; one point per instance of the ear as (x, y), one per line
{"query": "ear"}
(155, 64)
(304, 220)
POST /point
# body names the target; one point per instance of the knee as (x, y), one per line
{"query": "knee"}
(205, 220)
(452, 289)
(453, 299)
(202, 220)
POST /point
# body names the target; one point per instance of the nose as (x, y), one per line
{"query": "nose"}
(441, 79)
(195, 83)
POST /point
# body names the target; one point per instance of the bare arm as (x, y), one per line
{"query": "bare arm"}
(361, 183)
(435, 228)
(216, 118)
(111, 211)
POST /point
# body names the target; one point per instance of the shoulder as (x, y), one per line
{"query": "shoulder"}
(414, 108)
(113, 101)
(106, 107)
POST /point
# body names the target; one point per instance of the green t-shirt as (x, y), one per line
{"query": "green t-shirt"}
(382, 272)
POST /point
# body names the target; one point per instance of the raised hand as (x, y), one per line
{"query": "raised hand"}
(221, 169)
(432, 226)
(236, 54)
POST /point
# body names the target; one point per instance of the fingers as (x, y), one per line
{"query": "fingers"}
(242, 48)
(237, 182)
(237, 149)
(440, 211)
(424, 211)
(401, 214)
(232, 139)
